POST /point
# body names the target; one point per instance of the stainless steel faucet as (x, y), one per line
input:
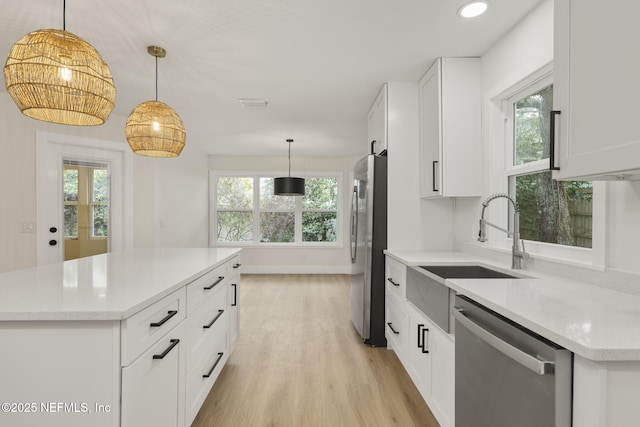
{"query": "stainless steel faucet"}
(517, 254)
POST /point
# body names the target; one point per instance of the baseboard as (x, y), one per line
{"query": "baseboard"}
(294, 269)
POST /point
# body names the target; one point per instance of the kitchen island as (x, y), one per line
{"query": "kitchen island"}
(120, 339)
(600, 326)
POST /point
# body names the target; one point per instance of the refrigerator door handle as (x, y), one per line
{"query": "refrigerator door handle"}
(354, 224)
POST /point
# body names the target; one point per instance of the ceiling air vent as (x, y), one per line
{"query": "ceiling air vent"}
(253, 102)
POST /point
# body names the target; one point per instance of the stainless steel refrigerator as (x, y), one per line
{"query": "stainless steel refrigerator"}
(368, 241)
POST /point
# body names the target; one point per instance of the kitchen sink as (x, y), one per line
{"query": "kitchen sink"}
(467, 272)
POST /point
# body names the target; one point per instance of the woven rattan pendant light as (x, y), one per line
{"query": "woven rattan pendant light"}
(288, 185)
(153, 128)
(55, 76)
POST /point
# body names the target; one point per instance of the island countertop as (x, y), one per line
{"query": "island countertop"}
(111, 286)
(594, 322)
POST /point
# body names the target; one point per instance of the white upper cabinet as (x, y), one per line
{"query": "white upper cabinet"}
(450, 129)
(377, 123)
(597, 89)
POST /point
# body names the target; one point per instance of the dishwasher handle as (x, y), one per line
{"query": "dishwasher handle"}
(540, 367)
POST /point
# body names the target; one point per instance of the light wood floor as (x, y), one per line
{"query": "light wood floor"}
(299, 362)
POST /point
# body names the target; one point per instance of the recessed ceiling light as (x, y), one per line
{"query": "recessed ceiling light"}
(253, 102)
(473, 9)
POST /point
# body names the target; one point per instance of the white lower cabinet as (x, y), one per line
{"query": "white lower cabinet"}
(442, 399)
(426, 352)
(152, 386)
(431, 364)
(419, 360)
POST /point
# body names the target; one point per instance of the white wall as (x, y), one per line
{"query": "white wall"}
(527, 48)
(171, 193)
(296, 260)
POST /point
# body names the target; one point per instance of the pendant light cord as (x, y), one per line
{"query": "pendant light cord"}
(64, 15)
(156, 78)
(289, 159)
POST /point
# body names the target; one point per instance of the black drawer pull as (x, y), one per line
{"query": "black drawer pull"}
(169, 315)
(393, 330)
(235, 295)
(220, 279)
(390, 280)
(237, 265)
(214, 319)
(424, 340)
(164, 353)
(208, 374)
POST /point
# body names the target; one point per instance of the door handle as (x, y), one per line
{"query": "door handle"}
(552, 140)
(433, 173)
(424, 340)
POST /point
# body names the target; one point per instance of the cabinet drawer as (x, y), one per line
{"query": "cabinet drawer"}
(396, 278)
(396, 329)
(205, 286)
(145, 328)
(204, 375)
(203, 324)
(151, 386)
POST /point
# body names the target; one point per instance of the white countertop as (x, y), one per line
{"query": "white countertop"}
(594, 322)
(111, 286)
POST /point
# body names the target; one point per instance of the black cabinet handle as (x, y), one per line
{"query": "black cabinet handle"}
(420, 337)
(552, 140)
(169, 315)
(220, 279)
(235, 295)
(390, 280)
(237, 265)
(433, 173)
(214, 319)
(373, 146)
(392, 330)
(174, 343)
(208, 374)
(424, 340)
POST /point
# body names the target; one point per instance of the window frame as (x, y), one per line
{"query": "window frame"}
(257, 209)
(594, 256)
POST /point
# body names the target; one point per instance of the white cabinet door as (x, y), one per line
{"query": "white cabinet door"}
(450, 129)
(442, 350)
(153, 386)
(377, 123)
(596, 88)
(419, 350)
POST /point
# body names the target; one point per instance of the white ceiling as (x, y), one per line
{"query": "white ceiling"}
(319, 63)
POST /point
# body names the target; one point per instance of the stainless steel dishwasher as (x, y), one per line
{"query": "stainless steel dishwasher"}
(506, 375)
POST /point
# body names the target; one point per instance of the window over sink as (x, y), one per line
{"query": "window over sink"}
(244, 211)
(557, 212)
(559, 220)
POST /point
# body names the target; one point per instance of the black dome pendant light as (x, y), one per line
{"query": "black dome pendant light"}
(288, 185)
